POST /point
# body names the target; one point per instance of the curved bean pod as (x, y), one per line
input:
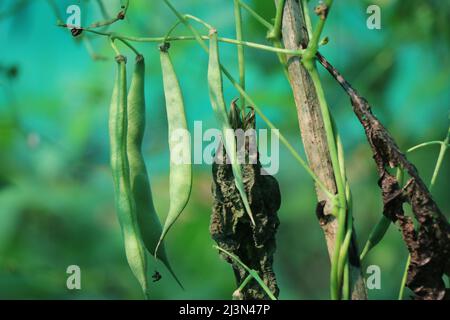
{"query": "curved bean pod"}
(218, 103)
(180, 151)
(148, 221)
(125, 205)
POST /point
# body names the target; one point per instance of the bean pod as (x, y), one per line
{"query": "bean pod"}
(148, 221)
(125, 204)
(218, 103)
(179, 143)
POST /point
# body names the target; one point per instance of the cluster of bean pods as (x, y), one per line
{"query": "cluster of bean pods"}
(141, 229)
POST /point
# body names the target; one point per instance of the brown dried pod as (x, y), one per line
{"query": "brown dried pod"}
(231, 227)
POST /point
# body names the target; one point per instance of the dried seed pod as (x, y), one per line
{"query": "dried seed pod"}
(231, 227)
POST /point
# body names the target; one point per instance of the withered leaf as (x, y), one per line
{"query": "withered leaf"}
(429, 243)
(231, 228)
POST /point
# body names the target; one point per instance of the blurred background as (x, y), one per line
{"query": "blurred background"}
(56, 191)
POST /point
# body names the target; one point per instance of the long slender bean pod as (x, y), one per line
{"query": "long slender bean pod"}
(376, 235)
(179, 144)
(125, 205)
(147, 217)
(380, 229)
(343, 279)
(218, 103)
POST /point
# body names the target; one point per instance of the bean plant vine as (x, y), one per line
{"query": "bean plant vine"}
(127, 162)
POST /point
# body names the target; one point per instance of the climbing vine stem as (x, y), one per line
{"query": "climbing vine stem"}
(255, 15)
(240, 50)
(201, 38)
(275, 32)
(340, 255)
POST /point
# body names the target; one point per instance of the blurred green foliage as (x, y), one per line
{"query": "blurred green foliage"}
(56, 192)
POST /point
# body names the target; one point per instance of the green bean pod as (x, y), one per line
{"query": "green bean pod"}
(218, 103)
(180, 180)
(125, 204)
(148, 221)
(376, 235)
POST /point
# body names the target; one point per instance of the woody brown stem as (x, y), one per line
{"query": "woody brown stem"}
(295, 36)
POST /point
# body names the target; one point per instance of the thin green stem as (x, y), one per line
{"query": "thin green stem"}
(340, 151)
(260, 46)
(276, 42)
(245, 282)
(202, 22)
(129, 45)
(256, 108)
(437, 168)
(251, 272)
(307, 18)
(103, 23)
(334, 282)
(240, 49)
(335, 164)
(343, 263)
(114, 47)
(186, 16)
(309, 63)
(444, 146)
(255, 15)
(313, 44)
(275, 33)
(190, 38)
(172, 29)
(404, 278)
(343, 255)
(425, 144)
(197, 35)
